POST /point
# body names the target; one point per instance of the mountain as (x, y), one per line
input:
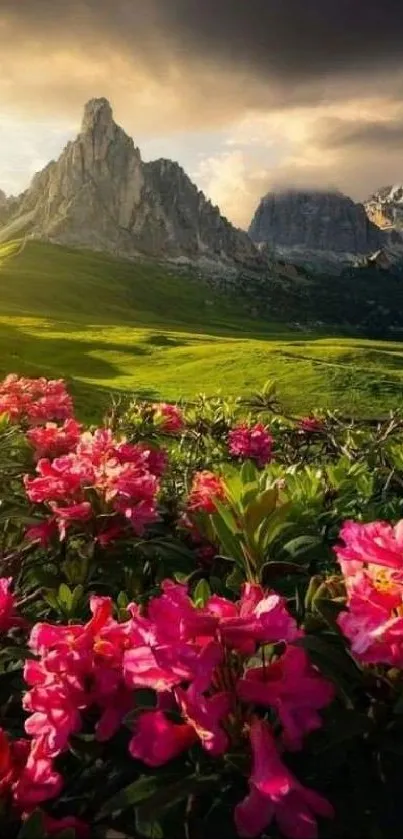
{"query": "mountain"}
(100, 194)
(385, 207)
(313, 226)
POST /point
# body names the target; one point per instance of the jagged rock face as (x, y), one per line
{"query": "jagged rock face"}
(315, 221)
(100, 194)
(385, 207)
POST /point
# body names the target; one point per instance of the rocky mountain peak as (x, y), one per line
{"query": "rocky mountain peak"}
(315, 222)
(97, 114)
(100, 194)
(385, 207)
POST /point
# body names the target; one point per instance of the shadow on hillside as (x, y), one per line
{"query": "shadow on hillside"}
(58, 356)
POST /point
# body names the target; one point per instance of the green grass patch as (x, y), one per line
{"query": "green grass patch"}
(137, 327)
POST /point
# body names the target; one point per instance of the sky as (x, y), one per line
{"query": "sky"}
(247, 95)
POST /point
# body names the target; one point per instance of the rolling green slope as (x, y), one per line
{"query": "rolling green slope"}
(110, 325)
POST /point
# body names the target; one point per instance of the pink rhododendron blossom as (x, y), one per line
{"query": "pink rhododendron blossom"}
(371, 560)
(8, 617)
(275, 794)
(38, 781)
(251, 442)
(27, 775)
(169, 418)
(34, 400)
(206, 488)
(205, 715)
(292, 687)
(157, 740)
(256, 619)
(378, 543)
(81, 666)
(373, 622)
(102, 479)
(310, 425)
(53, 440)
(54, 827)
(43, 532)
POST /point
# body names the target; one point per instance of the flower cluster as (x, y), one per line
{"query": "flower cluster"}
(251, 442)
(168, 418)
(27, 775)
(108, 482)
(201, 664)
(52, 440)
(310, 425)
(371, 559)
(34, 401)
(8, 617)
(205, 490)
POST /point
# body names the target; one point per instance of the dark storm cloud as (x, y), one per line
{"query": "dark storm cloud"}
(293, 40)
(343, 134)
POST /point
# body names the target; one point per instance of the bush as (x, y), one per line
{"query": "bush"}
(201, 619)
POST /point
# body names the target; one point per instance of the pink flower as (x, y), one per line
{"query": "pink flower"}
(72, 514)
(276, 794)
(42, 532)
(55, 826)
(294, 689)
(13, 757)
(310, 425)
(157, 740)
(256, 619)
(373, 622)
(377, 543)
(175, 616)
(8, 618)
(251, 442)
(205, 715)
(103, 479)
(157, 459)
(80, 667)
(205, 489)
(34, 400)
(38, 781)
(169, 418)
(52, 440)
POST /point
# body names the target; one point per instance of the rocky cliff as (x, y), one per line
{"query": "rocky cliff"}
(100, 194)
(385, 207)
(313, 223)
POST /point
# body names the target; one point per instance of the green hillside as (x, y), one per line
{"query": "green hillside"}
(110, 325)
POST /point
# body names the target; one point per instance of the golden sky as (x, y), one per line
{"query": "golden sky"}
(247, 95)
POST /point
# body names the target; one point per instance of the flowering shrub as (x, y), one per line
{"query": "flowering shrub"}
(34, 400)
(252, 443)
(197, 638)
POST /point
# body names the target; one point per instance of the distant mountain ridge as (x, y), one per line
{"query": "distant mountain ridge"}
(101, 195)
(313, 225)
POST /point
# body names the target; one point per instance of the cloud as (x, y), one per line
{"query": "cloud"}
(297, 92)
(192, 62)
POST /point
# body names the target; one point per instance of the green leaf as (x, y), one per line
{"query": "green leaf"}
(302, 545)
(150, 829)
(65, 597)
(249, 472)
(262, 507)
(201, 593)
(235, 579)
(229, 543)
(51, 598)
(169, 796)
(138, 791)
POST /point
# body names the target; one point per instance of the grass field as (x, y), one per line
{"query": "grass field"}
(109, 325)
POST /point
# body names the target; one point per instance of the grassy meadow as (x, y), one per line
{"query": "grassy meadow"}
(112, 326)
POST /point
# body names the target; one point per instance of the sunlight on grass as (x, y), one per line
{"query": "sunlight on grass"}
(109, 325)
